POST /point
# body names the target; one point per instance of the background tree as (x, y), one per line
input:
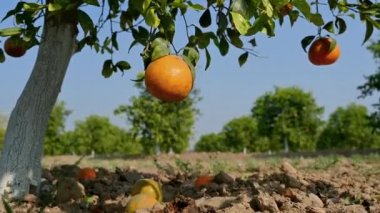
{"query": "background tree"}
(3, 125)
(145, 20)
(349, 128)
(240, 134)
(97, 134)
(372, 85)
(161, 125)
(212, 142)
(55, 142)
(289, 117)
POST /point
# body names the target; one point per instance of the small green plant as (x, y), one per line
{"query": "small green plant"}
(7, 207)
(220, 166)
(183, 166)
(251, 165)
(324, 162)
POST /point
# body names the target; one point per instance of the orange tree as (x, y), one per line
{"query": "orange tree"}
(62, 27)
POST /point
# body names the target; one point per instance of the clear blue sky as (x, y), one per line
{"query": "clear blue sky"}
(228, 91)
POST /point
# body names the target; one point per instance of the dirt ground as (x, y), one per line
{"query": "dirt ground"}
(242, 183)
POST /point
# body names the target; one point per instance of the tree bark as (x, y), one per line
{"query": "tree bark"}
(20, 162)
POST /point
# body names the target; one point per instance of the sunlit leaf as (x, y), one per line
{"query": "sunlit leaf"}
(151, 18)
(11, 31)
(241, 24)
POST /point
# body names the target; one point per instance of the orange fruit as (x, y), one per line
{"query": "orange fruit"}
(169, 78)
(140, 201)
(285, 10)
(149, 187)
(87, 174)
(203, 180)
(324, 51)
(15, 46)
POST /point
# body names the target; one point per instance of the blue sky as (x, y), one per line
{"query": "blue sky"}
(228, 91)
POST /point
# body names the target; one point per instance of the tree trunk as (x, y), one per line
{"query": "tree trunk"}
(20, 163)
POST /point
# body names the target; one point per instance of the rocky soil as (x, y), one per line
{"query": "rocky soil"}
(242, 183)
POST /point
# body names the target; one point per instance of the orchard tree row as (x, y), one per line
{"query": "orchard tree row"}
(289, 119)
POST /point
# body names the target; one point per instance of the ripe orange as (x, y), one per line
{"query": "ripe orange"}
(169, 78)
(203, 180)
(324, 51)
(87, 174)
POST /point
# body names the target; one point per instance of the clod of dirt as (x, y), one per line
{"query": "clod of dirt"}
(288, 168)
(68, 189)
(315, 201)
(264, 202)
(315, 210)
(223, 177)
(215, 202)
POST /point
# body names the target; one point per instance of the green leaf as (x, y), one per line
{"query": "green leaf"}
(195, 6)
(333, 4)
(32, 7)
(7, 207)
(107, 69)
(241, 23)
(52, 7)
(160, 47)
(85, 21)
(234, 38)
(305, 42)
(208, 59)
(304, 7)
(205, 19)
(10, 31)
(316, 19)
(114, 41)
(329, 27)
(341, 25)
(141, 5)
(241, 7)
(368, 32)
(17, 9)
(223, 46)
(243, 58)
(92, 2)
(2, 56)
(293, 16)
(268, 7)
(192, 53)
(151, 18)
(222, 21)
(123, 65)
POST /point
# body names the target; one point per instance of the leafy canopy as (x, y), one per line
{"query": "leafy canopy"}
(349, 128)
(288, 117)
(222, 23)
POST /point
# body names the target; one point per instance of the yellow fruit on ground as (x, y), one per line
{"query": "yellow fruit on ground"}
(140, 201)
(149, 187)
(169, 78)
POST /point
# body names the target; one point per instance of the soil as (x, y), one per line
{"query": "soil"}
(242, 183)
